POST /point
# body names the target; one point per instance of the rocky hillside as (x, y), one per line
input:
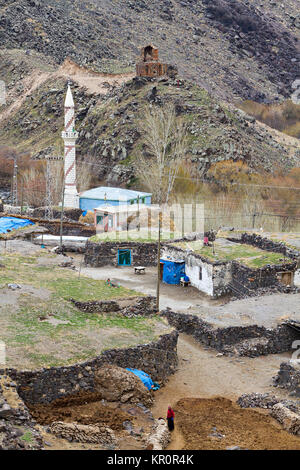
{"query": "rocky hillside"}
(111, 131)
(235, 49)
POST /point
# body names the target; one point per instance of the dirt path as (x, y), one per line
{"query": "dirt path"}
(188, 299)
(96, 83)
(203, 374)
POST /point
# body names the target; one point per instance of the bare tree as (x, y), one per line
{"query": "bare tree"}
(164, 136)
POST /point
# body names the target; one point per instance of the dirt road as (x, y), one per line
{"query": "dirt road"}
(203, 374)
(96, 83)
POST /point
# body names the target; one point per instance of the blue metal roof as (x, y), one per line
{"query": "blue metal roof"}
(112, 194)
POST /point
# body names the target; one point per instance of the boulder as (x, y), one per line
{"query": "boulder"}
(113, 383)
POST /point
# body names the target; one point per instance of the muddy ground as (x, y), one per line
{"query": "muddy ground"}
(204, 374)
(130, 423)
(220, 424)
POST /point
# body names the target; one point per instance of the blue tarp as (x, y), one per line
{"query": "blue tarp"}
(172, 271)
(145, 378)
(12, 223)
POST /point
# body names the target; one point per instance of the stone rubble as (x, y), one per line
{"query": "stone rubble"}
(160, 437)
(92, 434)
(17, 428)
(266, 401)
(289, 419)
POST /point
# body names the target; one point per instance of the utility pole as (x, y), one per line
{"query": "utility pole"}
(158, 260)
(138, 214)
(15, 183)
(253, 219)
(22, 196)
(50, 184)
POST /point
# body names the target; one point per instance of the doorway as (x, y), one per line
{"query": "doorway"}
(124, 257)
(286, 278)
(161, 270)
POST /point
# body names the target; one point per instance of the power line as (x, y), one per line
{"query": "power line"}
(190, 178)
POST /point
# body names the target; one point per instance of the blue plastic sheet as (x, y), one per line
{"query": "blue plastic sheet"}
(12, 223)
(145, 378)
(172, 271)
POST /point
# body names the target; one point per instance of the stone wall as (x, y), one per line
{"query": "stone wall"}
(249, 341)
(158, 359)
(245, 279)
(73, 214)
(268, 245)
(136, 305)
(69, 227)
(15, 420)
(106, 253)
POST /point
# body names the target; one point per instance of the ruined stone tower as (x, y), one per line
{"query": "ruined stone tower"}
(149, 65)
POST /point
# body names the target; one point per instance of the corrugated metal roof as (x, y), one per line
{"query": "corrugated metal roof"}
(112, 194)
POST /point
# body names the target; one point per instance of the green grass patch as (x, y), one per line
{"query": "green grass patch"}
(142, 236)
(248, 255)
(42, 328)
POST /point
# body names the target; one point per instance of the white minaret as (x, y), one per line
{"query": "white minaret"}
(70, 136)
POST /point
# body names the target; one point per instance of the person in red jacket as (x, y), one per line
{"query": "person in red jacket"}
(170, 418)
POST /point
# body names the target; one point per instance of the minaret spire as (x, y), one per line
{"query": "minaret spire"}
(70, 136)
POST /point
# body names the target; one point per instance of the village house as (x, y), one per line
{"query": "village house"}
(104, 195)
(228, 267)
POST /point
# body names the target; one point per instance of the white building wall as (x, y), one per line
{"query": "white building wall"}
(297, 278)
(192, 269)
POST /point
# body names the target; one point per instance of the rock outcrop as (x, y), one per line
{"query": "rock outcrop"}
(116, 384)
(17, 428)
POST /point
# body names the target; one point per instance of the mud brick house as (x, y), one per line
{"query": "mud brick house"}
(149, 64)
(227, 266)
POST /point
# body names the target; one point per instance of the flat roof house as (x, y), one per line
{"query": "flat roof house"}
(110, 218)
(104, 195)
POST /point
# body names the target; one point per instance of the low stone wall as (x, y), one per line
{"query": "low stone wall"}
(73, 214)
(160, 437)
(245, 279)
(92, 434)
(265, 401)
(289, 419)
(158, 359)
(268, 245)
(137, 305)
(53, 226)
(106, 253)
(249, 341)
